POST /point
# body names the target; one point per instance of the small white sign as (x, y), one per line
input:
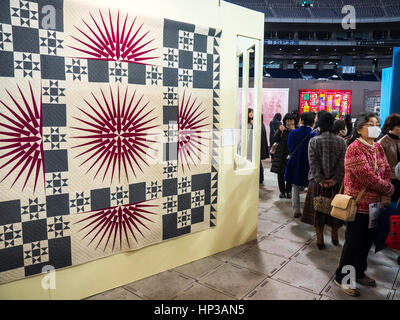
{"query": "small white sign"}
(228, 137)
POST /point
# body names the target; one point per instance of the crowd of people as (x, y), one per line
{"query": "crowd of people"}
(328, 156)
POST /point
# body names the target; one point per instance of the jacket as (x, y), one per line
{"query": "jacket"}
(273, 127)
(391, 146)
(297, 168)
(264, 154)
(279, 158)
(326, 157)
(359, 173)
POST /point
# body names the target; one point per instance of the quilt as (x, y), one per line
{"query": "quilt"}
(109, 132)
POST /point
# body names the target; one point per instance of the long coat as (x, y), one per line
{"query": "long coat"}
(297, 168)
(279, 158)
(264, 143)
(273, 128)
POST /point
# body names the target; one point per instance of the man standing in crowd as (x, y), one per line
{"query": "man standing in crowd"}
(297, 167)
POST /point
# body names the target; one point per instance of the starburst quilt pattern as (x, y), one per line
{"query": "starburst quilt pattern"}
(109, 133)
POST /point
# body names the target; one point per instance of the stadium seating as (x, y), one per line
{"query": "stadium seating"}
(320, 74)
(360, 77)
(322, 9)
(279, 73)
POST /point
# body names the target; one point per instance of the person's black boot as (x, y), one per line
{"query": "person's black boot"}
(281, 196)
(289, 195)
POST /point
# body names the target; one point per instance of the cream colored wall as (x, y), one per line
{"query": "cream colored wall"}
(237, 193)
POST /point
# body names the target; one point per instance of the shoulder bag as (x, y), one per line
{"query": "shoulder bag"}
(344, 207)
(273, 148)
(322, 203)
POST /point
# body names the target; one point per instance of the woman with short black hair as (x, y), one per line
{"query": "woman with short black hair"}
(339, 128)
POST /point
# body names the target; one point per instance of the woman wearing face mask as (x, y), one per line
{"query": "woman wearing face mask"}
(339, 128)
(279, 159)
(368, 175)
(390, 143)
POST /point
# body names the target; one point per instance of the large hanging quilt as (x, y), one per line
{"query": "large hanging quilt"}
(109, 126)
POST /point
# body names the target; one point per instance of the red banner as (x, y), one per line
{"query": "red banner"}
(316, 100)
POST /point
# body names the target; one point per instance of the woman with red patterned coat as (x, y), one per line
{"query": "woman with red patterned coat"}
(361, 174)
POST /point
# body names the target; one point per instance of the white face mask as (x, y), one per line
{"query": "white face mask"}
(374, 132)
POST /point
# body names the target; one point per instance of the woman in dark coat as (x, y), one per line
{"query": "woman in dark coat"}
(349, 126)
(264, 148)
(274, 126)
(279, 159)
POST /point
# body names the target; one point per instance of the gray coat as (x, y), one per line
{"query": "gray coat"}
(326, 157)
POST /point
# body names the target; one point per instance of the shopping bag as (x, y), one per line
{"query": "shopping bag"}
(383, 225)
(393, 239)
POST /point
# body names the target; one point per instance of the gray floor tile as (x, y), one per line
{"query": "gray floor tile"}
(227, 255)
(296, 231)
(265, 227)
(233, 280)
(387, 257)
(162, 286)
(198, 291)
(384, 276)
(327, 259)
(199, 268)
(272, 289)
(276, 215)
(279, 246)
(116, 294)
(304, 276)
(366, 293)
(255, 259)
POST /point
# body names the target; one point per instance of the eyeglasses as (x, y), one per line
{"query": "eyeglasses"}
(371, 125)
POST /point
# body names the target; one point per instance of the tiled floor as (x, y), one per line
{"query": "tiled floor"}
(284, 263)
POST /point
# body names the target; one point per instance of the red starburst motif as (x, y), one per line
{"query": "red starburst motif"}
(22, 145)
(190, 133)
(118, 134)
(118, 221)
(114, 42)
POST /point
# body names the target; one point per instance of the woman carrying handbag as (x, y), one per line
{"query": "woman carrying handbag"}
(367, 179)
(326, 157)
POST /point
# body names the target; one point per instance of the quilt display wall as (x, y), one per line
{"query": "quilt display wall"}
(109, 133)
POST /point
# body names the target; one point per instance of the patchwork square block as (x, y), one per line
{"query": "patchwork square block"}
(33, 209)
(10, 235)
(54, 115)
(24, 13)
(34, 230)
(55, 160)
(7, 63)
(27, 65)
(76, 69)
(57, 205)
(10, 212)
(98, 71)
(53, 67)
(51, 42)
